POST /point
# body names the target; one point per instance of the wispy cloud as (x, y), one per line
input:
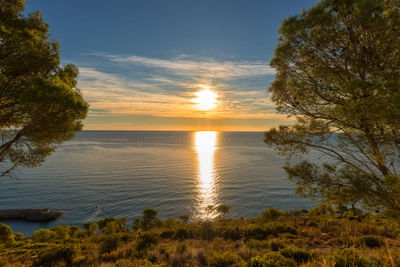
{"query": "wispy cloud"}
(185, 65)
(166, 88)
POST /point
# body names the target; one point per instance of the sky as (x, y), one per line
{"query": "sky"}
(143, 62)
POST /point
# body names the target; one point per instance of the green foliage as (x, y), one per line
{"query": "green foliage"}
(103, 222)
(223, 210)
(228, 232)
(271, 214)
(110, 228)
(149, 220)
(136, 224)
(40, 105)
(371, 241)
(299, 255)
(91, 228)
(6, 234)
(44, 235)
(146, 240)
(224, 259)
(261, 232)
(181, 234)
(134, 263)
(233, 242)
(338, 73)
(348, 258)
(257, 244)
(170, 223)
(110, 243)
(272, 259)
(62, 231)
(19, 236)
(63, 254)
(184, 218)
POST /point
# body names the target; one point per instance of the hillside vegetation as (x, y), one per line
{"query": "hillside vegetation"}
(320, 237)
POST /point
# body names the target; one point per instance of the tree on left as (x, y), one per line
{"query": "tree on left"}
(40, 105)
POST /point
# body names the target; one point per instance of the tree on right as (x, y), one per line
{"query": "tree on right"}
(338, 75)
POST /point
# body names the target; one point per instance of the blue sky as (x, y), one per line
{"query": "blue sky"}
(142, 62)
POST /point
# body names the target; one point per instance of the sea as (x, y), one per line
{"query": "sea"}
(120, 173)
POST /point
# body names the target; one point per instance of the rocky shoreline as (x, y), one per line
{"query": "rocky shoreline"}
(31, 215)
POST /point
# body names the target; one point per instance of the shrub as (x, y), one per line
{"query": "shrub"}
(146, 240)
(184, 218)
(271, 214)
(257, 232)
(103, 222)
(232, 233)
(56, 255)
(148, 219)
(19, 236)
(133, 263)
(62, 231)
(170, 222)
(167, 234)
(275, 245)
(43, 235)
(257, 244)
(272, 259)
(200, 257)
(110, 228)
(225, 259)
(91, 228)
(6, 234)
(298, 254)
(371, 241)
(223, 210)
(110, 243)
(348, 258)
(207, 230)
(181, 234)
(261, 232)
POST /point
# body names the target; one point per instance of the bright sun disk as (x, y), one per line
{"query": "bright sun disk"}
(206, 99)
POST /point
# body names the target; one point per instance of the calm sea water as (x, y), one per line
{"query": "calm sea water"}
(173, 172)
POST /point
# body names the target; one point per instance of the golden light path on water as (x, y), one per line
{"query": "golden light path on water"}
(207, 193)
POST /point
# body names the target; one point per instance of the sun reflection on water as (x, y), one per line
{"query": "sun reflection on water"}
(205, 145)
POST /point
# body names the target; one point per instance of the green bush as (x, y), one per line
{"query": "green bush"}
(110, 228)
(91, 228)
(110, 243)
(272, 259)
(134, 263)
(167, 234)
(232, 233)
(62, 231)
(371, 241)
(348, 258)
(146, 240)
(225, 259)
(257, 244)
(208, 232)
(298, 254)
(6, 234)
(181, 234)
(271, 214)
(275, 245)
(44, 235)
(56, 256)
(19, 236)
(261, 232)
(170, 223)
(103, 222)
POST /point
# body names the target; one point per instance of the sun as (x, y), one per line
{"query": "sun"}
(206, 99)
